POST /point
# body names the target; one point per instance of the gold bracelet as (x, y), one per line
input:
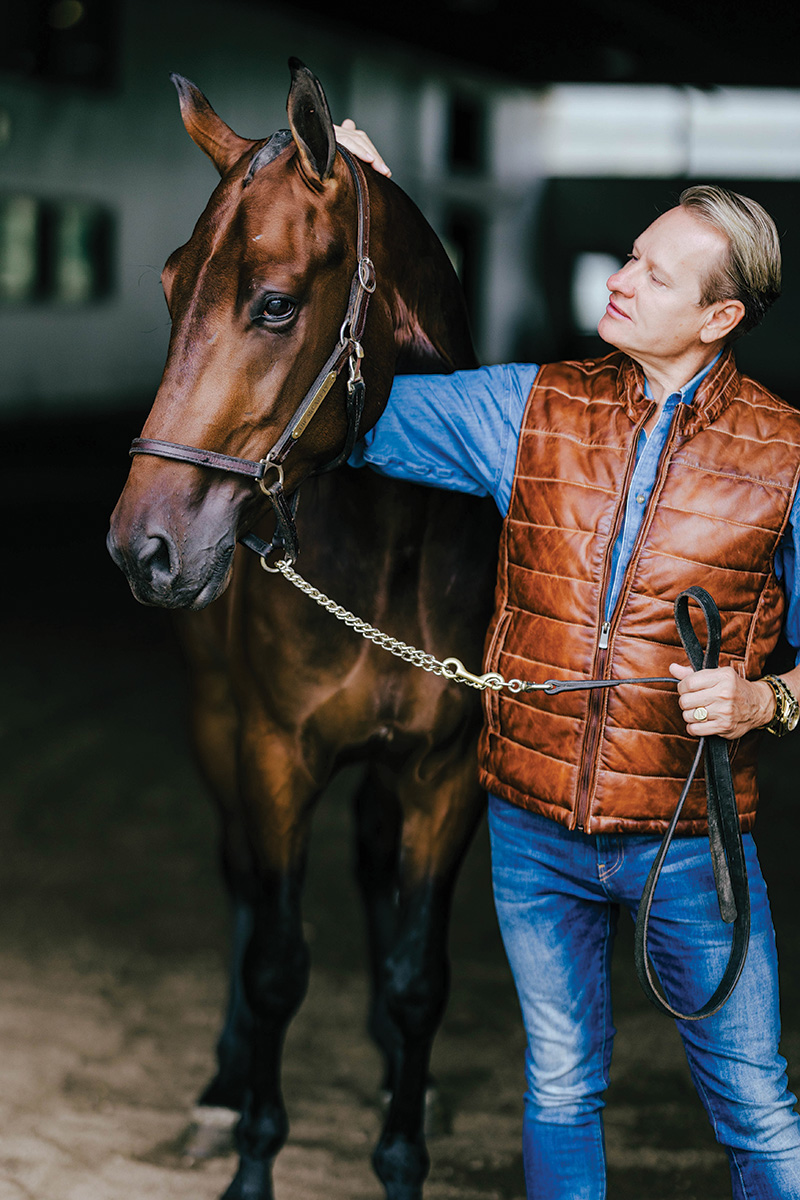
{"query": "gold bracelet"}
(787, 708)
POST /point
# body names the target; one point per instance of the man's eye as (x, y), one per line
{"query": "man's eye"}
(276, 310)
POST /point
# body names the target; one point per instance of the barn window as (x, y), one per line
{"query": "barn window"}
(19, 248)
(56, 250)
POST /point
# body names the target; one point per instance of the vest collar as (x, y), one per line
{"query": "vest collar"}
(711, 399)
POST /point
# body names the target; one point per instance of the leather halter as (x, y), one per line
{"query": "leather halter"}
(348, 349)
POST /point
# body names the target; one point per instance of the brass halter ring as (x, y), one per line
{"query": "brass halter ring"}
(276, 570)
(278, 482)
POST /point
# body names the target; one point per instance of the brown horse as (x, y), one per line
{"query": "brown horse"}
(283, 695)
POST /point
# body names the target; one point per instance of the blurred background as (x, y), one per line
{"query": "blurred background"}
(539, 141)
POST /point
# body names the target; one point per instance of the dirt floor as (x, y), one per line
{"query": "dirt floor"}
(113, 930)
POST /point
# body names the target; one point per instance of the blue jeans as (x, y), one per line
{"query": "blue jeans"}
(558, 895)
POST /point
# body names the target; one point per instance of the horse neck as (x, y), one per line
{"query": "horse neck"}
(432, 333)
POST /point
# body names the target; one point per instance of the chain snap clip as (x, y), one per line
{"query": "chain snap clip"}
(453, 668)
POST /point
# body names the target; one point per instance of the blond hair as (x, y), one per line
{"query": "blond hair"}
(751, 269)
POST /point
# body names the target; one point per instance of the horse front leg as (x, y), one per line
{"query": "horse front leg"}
(211, 1133)
(439, 821)
(216, 735)
(226, 1091)
(275, 963)
(378, 821)
(275, 976)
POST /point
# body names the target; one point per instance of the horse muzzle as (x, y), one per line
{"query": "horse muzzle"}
(167, 571)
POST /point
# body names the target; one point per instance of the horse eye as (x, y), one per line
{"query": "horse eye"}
(277, 309)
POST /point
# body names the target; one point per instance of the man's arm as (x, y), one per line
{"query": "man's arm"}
(458, 431)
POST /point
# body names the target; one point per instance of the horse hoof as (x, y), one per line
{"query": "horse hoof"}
(209, 1134)
(438, 1116)
(402, 1167)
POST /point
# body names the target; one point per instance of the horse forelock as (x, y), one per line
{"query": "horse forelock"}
(268, 153)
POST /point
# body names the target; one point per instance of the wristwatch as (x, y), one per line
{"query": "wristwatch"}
(787, 709)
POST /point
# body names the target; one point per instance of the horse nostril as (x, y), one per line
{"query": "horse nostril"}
(159, 555)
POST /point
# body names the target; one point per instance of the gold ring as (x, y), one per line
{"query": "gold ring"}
(700, 714)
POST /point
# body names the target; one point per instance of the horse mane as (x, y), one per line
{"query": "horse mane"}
(274, 146)
(416, 353)
(432, 330)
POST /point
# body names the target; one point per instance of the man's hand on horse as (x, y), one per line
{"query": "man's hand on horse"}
(357, 142)
(732, 705)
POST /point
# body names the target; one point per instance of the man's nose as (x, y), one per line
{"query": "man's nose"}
(621, 280)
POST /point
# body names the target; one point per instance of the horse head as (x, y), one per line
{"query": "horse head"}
(274, 294)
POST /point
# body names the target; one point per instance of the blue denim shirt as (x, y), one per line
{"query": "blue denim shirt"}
(461, 431)
(648, 453)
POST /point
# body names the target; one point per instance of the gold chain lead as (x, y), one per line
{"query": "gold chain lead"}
(449, 668)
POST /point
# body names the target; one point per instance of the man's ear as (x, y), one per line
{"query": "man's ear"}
(723, 317)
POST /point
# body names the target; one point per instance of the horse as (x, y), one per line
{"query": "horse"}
(296, 236)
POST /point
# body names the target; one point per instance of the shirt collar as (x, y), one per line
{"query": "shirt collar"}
(686, 394)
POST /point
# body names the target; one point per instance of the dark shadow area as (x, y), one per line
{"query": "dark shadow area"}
(662, 41)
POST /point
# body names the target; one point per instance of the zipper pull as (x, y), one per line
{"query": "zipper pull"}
(605, 629)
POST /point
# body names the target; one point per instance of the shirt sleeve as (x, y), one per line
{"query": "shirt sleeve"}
(456, 431)
(786, 559)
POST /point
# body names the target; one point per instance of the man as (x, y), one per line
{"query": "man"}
(622, 481)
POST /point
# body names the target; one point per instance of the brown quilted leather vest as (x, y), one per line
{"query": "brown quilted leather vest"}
(614, 759)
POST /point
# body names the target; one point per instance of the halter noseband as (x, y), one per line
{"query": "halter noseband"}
(347, 350)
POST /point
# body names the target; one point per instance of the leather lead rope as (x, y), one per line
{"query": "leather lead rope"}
(724, 833)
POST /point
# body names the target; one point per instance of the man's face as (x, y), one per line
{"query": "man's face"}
(654, 307)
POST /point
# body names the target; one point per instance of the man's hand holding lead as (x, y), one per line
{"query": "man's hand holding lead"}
(721, 701)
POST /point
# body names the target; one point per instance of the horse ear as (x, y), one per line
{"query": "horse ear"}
(206, 129)
(311, 124)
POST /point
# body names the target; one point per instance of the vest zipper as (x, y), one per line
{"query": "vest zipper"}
(591, 740)
(597, 697)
